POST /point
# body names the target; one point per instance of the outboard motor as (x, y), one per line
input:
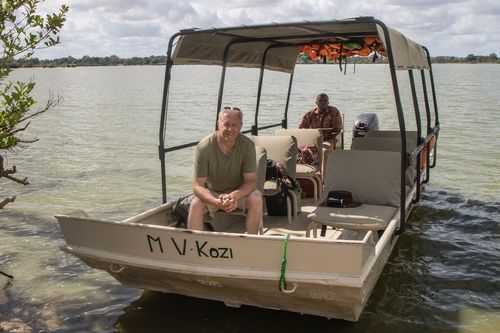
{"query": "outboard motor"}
(363, 123)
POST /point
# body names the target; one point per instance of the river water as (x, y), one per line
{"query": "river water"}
(98, 152)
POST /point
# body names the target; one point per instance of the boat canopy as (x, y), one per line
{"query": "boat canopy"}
(277, 46)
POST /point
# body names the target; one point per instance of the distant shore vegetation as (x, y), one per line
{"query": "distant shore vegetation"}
(303, 58)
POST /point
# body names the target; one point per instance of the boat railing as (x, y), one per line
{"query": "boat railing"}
(388, 234)
(254, 130)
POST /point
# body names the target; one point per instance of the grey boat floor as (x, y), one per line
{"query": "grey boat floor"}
(279, 225)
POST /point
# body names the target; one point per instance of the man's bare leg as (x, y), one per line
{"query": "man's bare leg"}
(254, 212)
(197, 209)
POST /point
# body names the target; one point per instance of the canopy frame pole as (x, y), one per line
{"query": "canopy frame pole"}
(284, 121)
(428, 126)
(222, 83)
(163, 117)
(255, 126)
(434, 100)
(419, 135)
(402, 126)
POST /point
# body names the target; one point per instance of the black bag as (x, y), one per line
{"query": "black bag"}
(277, 172)
(276, 203)
(272, 171)
(180, 210)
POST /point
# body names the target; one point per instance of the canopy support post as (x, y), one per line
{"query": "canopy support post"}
(402, 127)
(163, 117)
(419, 134)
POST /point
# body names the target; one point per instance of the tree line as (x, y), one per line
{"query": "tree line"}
(87, 61)
(471, 59)
(303, 58)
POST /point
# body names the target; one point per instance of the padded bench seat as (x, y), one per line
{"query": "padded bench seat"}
(364, 217)
(373, 178)
(387, 144)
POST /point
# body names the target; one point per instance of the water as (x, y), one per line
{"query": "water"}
(98, 152)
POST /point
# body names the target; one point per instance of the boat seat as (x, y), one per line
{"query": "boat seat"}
(373, 178)
(412, 135)
(261, 160)
(388, 144)
(314, 137)
(261, 155)
(283, 150)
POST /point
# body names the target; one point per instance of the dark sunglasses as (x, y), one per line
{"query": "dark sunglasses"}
(231, 108)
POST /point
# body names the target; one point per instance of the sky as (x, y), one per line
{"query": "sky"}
(141, 28)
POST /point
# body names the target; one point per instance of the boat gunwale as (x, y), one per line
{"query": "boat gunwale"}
(137, 224)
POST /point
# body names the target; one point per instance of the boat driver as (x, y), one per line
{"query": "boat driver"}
(328, 119)
(225, 174)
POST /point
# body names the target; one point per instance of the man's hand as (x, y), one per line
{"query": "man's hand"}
(228, 203)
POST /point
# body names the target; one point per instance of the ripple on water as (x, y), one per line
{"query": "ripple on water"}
(442, 264)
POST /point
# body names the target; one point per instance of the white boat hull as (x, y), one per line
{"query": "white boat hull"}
(324, 277)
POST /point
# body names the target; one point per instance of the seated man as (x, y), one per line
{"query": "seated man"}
(225, 174)
(326, 118)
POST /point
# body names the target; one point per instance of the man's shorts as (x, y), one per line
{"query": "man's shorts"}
(241, 203)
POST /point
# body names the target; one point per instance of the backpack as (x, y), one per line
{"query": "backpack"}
(276, 203)
(276, 171)
(180, 210)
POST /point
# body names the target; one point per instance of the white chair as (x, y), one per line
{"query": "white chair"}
(281, 149)
(373, 178)
(388, 144)
(308, 171)
(261, 167)
(410, 135)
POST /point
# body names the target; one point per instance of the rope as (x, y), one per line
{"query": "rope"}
(116, 270)
(283, 265)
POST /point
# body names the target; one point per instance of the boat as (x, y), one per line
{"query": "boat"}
(321, 261)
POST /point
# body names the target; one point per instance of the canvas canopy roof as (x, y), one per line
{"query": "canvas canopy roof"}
(280, 44)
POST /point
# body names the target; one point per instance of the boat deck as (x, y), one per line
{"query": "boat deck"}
(279, 225)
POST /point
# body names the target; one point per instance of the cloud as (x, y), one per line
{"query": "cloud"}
(128, 28)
